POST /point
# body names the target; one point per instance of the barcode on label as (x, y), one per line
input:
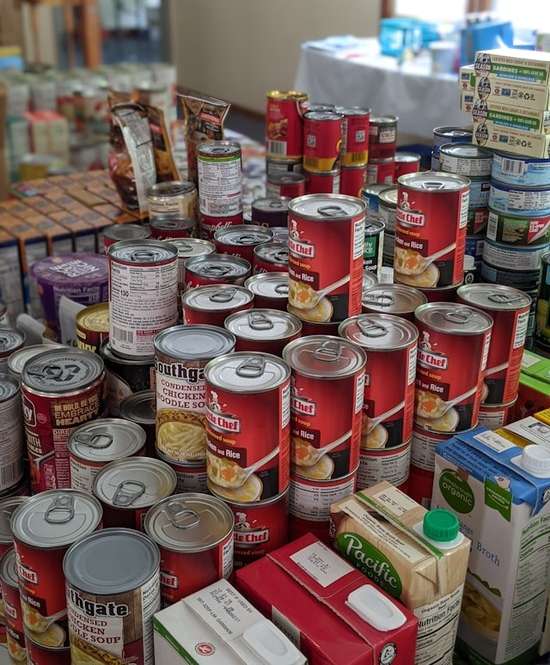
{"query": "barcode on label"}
(276, 147)
(512, 166)
(10, 474)
(123, 335)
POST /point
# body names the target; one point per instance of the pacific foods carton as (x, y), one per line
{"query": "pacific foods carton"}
(500, 493)
(217, 626)
(416, 555)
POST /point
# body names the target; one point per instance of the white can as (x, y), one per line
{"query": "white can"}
(220, 178)
(11, 434)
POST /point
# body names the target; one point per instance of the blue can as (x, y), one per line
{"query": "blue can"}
(518, 200)
(520, 171)
(474, 246)
(479, 192)
(370, 195)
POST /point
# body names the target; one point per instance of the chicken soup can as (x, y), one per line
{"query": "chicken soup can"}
(290, 185)
(125, 377)
(397, 299)
(327, 182)
(406, 162)
(325, 265)
(216, 269)
(177, 198)
(248, 426)
(430, 229)
(322, 140)
(211, 305)
(355, 135)
(270, 257)
(268, 330)
(194, 533)
(284, 124)
(328, 383)
(452, 357)
(113, 591)
(143, 289)
(61, 389)
(381, 171)
(13, 614)
(241, 240)
(516, 230)
(509, 309)
(92, 327)
(181, 355)
(352, 180)
(270, 289)
(382, 136)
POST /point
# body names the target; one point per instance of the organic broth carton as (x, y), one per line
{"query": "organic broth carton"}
(416, 555)
(500, 492)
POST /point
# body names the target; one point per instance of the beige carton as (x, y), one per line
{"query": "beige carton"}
(518, 142)
(416, 555)
(518, 94)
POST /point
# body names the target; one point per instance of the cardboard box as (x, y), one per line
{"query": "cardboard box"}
(11, 286)
(467, 78)
(518, 94)
(514, 65)
(466, 101)
(217, 626)
(334, 614)
(59, 239)
(529, 144)
(510, 117)
(505, 509)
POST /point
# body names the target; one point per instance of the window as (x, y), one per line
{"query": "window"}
(432, 10)
(527, 14)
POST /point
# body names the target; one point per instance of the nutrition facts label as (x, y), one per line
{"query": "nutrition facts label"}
(220, 187)
(423, 451)
(313, 503)
(11, 443)
(437, 626)
(392, 466)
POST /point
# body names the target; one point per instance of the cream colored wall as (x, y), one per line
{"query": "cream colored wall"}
(238, 49)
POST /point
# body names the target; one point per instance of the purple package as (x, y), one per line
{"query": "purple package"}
(83, 278)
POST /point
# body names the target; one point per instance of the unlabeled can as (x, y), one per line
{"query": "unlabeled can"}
(512, 257)
(211, 305)
(241, 240)
(430, 229)
(516, 230)
(127, 489)
(493, 416)
(452, 357)
(355, 135)
(194, 533)
(520, 170)
(168, 228)
(322, 140)
(397, 299)
(509, 309)
(13, 614)
(143, 285)
(271, 257)
(267, 330)
(421, 473)
(44, 527)
(514, 200)
(479, 192)
(93, 445)
(11, 433)
(327, 182)
(465, 159)
(181, 355)
(381, 170)
(92, 327)
(216, 269)
(371, 196)
(387, 208)
(374, 246)
(270, 289)
(406, 162)
(270, 211)
(113, 591)
(190, 476)
(220, 182)
(325, 264)
(259, 528)
(187, 248)
(248, 428)
(525, 280)
(61, 389)
(382, 136)
(328, 382)
(285, 185)
(176, 198)
(352, 180)
(141, 408)
(10, 342)
(284, 124)
(477, 220)
(118, 232)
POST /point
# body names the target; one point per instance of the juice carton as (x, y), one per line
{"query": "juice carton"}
(500, 492)
(416, 555)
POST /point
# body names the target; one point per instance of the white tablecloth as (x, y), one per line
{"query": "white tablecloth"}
(362, 77)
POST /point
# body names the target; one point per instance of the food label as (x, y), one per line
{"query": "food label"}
(423, 451)
(493, 418)
(465, 165)
(284, 128)
(259, 529)
(518, 230)
(529, 202)
(191, 481)
(321, 564)
(11, 443)
(392, 466)
(13, 616)
(220, 185)
(311, 502)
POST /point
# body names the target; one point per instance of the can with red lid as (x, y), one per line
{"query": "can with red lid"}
(397, 299)
(509, 309)
(284, 124)
(13, 614)
(452, 356)
(421, 473)
(216, 269)
(328, 383)
(352, 180)
(165, 228)
(382, 136)
(323, 183)
(270, 289)
(406, 162)
(493, 416)
(325, 263)
(271, 257)
(270, 211)
(355, 135)
(241, 240)
(248, 426)
(187, 248)
(194, 533)
(118, 232)
(268, 330)
(61, 389)
(288, 185)
(322, 140)
(259, 528)
(212, 304)
(381, 171)
(430, 229)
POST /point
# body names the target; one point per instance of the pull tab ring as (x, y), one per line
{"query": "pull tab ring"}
(127, 492)
(259, 321)
(95, 441)
(216, 271)
(382, 299)
(372, 329)
(331, 211)
(281, 289)
(223, 295)
(60, 510)
(142, 256)
(329, 351)
(252, 368)
(458, 315)
(181, 517)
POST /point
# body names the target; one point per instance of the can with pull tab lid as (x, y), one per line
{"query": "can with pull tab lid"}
(187, 248)
(118, 232)
(397, 299)
(270, 289)
(170, 228)
(271, 257)
(140, 408)
(216, 269)
(10, 342)
(241, 240)
(92, 327)
(211, 305)
(267, 330)
(270, 211)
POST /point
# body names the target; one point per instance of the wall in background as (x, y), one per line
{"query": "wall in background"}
(238, 49)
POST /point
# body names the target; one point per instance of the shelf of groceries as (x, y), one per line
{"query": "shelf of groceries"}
(276, 406)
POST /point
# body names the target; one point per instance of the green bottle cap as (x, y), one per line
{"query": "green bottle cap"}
(440, 525)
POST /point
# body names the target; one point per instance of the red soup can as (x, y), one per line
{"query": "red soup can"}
(61, 389)
(40, 654)
(430, 229)
(397, 299)
(213, 304)
(381, 171)
(325, 263)
(509, 309)
(9, 586)
(248, 428)
(270, 289)
(382, 136)
(216, 269)
(390, 344)
(7, 507)
(493, 416)
(44, 528)
(323, 183)
(188, 248)
(328, 383)
(271, 257)
(118, 232)
(289, 185)
(322, 140)
(259, 529)
(268, 330)
(452, 357)
(352, 180)
(406, 162)
(284, 124)
(355, 135)
(443, 294)
(241, 240)
(421, 474)
(270, 211)
(194, 533)
(166, 228)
